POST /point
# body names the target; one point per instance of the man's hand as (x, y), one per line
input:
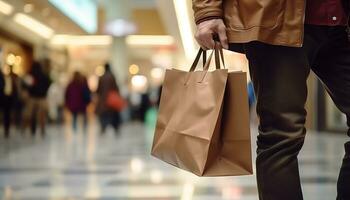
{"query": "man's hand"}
(207, 29)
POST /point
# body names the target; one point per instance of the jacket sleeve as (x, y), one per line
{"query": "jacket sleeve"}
(207, 9)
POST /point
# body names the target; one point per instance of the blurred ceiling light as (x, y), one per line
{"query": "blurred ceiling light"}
(187, 193)
(139, 83)
(149, 40)
(120, 27)
(10, 59)
(34, 25)
(82, 40)
(181, 9)
(5, 8)
(18, 60)
(134, 69)
(157, 73)
(136, 165)
(100, 70)
(28, 8)
(139, 80)
(156, 176)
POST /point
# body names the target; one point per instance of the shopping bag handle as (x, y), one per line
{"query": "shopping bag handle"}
(205, 67)
(196, 60)
(219, 51)
(218, 55)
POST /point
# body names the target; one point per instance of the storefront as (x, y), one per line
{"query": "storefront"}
(16, 53)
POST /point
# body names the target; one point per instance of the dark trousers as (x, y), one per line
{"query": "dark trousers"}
(110, 117)
(75, 120)
(279, 75)
(7, 108)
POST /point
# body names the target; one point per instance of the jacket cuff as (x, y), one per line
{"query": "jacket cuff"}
(207, 18)
(205, 15)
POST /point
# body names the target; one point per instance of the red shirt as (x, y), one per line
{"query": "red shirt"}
(325, 12)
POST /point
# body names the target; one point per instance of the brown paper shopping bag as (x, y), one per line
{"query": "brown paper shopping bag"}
(203, 124)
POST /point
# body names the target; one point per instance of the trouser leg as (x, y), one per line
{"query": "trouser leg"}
(104, 122)
(75, 121)
(344, 176)
(116, 120)
(34, 117)
(333, 69)
(85, 120)
(42, 113)
(7, 115)
(279, 75)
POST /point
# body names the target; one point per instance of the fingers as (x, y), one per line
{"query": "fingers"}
(223, 36)
(205, 39)
(207, 29)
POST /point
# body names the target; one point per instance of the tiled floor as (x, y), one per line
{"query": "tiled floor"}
(85, 165)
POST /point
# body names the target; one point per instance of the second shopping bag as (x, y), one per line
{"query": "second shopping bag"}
(198, 128)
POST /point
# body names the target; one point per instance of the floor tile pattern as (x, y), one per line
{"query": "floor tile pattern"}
(88, 166)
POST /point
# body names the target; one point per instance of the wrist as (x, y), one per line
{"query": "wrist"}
(207, 18)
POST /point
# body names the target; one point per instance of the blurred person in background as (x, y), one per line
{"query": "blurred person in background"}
(150, 117)
(106, 84)
(9, 97)
(56, 100)
(19, 103)
(145, 105)
(139, 105)
(2, 85)
(135, 99)
(284, 41)
(77, 98)
(37, 83)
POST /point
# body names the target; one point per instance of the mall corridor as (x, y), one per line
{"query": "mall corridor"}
(83, 82)
(90, 166)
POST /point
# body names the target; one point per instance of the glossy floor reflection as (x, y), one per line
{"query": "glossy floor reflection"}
(86, 165)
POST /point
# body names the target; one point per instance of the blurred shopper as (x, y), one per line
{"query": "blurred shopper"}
(135, 100)
(283, 41)
(145, 105)
(2, 86)
(56, 101)
(9, 97)
(106, 114)
(19, 103)
(77, 98)
(37, 82)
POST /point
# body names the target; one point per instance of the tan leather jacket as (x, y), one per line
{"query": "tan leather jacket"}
(277, 22)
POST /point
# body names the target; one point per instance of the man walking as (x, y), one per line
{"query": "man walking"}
(283, 40)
